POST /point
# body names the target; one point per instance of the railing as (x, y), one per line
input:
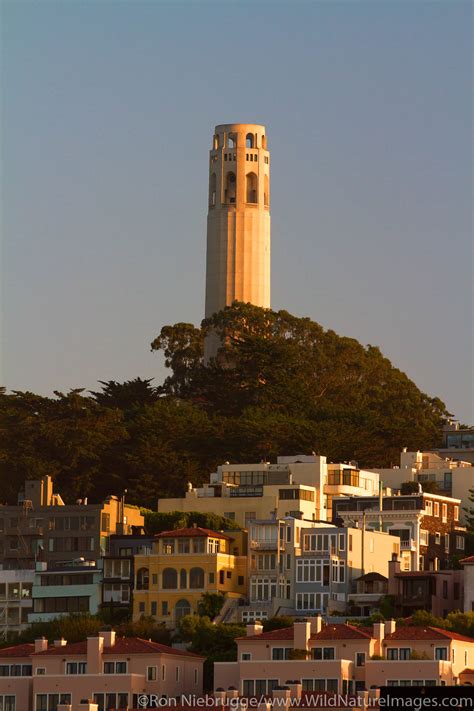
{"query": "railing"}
(408, 544)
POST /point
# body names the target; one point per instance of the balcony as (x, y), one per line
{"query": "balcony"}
(264, 545)
(408, 545)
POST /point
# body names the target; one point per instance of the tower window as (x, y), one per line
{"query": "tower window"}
(216, 142)
(251, 180)
(213, 190)
(225, 156)
(231, 141)
(230, 188)
(264, 141)
(250, 140)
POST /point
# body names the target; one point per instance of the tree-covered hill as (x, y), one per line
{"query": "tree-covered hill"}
(280, 385)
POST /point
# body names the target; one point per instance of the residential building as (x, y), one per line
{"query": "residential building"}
(438, 591)
(341, 658)
(458, 442)
(468, 566)
(370, 589)
(298, 485)
(427, 524)
(66, 588)
(42, 527)
(451, 477)
(184, 564)
(330, 561)
(119, 572)
(111, 671)
(15, 601)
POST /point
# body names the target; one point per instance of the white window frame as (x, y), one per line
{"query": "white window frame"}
(150, 678)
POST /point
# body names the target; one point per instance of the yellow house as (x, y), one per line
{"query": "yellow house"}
(183, 565)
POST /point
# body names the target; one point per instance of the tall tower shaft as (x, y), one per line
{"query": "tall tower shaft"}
(238, 221)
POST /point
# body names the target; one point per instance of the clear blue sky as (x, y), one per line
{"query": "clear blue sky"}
(108, 113)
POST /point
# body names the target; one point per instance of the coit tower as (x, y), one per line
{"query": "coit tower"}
(238, 221)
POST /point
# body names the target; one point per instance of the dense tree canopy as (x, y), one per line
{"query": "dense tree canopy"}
(279, 385)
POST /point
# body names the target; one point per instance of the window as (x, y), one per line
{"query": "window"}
(360, 659)
(164, 608)
(437, 538)
(176, 675)
(141, 607)
(424, 537)
(143, 579)
(323, 653)
(392, 654)
(444, 510)
(230, 189)
(429, 508)
(167, 546)
(45, 702)
(441, 653)
(246, 657)
(181, 609)
(170, 579)
(456, 513)
(120, 667)
(262, 589)
(240, 580)
(105, 523)
(76, 668)
(251, 188)
(404, 653)
(196, 676)
(196, 578)
(249, 140)
(435, 508)
(342, 542)
(446, 542)
(151, 673)
(311, 601)
(211, 578)
(212, 190)
(153, 608)
(266, 189)
(460, 543)
(184, 545)
(279, 653)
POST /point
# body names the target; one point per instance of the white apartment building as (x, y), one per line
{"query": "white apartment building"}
(15, 601)
(301, 486)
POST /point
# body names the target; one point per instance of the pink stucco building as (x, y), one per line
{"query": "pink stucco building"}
(113, 672)
(341, 658)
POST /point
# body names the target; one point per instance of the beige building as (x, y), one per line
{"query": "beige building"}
(453, 477)
(299, 485)
(341, 658)
(238, 223)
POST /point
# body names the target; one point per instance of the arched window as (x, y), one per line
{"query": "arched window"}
(251, 181)
(216, 142)
(230, 188)
(266, 193)
(232, 140)
(264, 142)
(212, 190)
(183, 579)
(181, 609)
(249, 140)
(143, 579)
(170, 579)
(196, 578)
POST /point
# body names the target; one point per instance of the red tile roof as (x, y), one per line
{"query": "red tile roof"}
(428, 633)
(123, 645)
(20, 650)
(336, 631)
(192, 533)
(468, 560)
(341, 631)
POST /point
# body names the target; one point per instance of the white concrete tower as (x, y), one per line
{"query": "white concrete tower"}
(238, 222)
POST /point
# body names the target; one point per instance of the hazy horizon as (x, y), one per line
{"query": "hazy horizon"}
(108, 115)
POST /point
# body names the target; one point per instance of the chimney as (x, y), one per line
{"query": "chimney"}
(88, 705)
(263, 706)
(109, 637)
(219, 696)
(301, 634)
(378, 634)
(281, 694)
(316, 624)
(64, 707)
(254, 628)
(60, 642)
(394, 567)
(41, 645)
(295, 688)
(95, 648)
(390, 627)
(232, 693)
